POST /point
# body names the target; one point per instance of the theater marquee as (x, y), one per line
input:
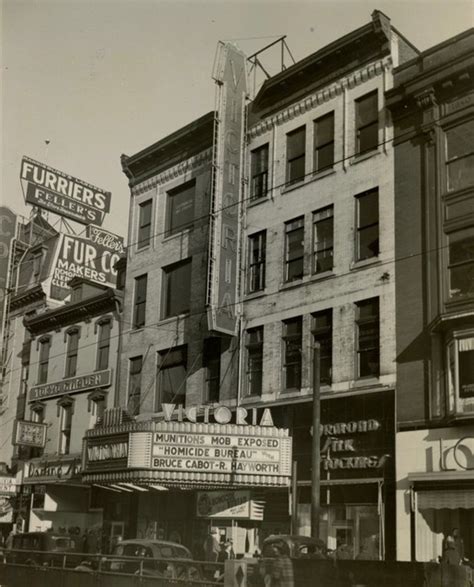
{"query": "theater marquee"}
(188, 453)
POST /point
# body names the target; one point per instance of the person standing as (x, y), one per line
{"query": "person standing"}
(211, 546)
(280, 571)
(453, 548)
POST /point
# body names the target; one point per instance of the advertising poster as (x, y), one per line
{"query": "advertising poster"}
(92, 257)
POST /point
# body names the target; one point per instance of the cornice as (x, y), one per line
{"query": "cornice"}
(72, 313)
(308, 103)
(33, 294)
(202, 158)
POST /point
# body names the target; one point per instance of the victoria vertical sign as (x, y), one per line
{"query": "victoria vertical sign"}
(230, 76)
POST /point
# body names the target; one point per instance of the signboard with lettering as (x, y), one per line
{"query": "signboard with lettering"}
(63, 194)
(30, 434)
(52, 470)
(190, 453)
(71, 385)
(357, 437)
(228, 504)
(7, 234)
(106, 453)
(7, 485)
(231, 77)
(92, 257)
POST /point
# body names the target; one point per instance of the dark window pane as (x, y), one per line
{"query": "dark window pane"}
(181, 208)
(324, 142)
(296, 142)
(43, 361)
(466, 373)
(368, 338)
(144, 224)
(212, 366)
(296, 170)
(257, 253)
(461, 263)
(134, 385)
(367, 225)
(294, 249)
(139, 314)
(323, 240)
(172, 374)
(254, 345)
(322, 333)
(177, 288)
(259, 172)
(104, 345)
(292, 338)
(367, 122)
(461, 172)
(460, 140)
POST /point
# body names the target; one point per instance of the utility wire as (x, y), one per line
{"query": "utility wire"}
(200, 219)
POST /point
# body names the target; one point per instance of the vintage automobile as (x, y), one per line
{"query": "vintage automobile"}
(39, 548)
(158, 558)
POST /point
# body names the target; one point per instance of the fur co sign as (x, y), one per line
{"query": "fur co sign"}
(92, 258)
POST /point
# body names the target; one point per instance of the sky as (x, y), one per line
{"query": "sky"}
(100, 78)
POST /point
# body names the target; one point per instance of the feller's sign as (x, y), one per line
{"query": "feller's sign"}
(231, 77)
(63, 194)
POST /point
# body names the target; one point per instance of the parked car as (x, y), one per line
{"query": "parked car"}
(39, 548)
(293, 546)
(153, 557)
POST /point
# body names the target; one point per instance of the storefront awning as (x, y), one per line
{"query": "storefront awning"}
(452, 499)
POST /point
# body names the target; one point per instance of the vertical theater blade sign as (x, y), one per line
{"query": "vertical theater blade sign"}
(230, 76)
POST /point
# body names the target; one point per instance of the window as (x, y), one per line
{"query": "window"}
(368, 351)
(97, 404)
(324, 142)
(295, 155)
(71, 352)
(367, 122)
(259, 173)
(256, 270)
(134, 385)
(461, 373)
(66, 410)
(322, 333)
(294, 249)
(254, 347)
(461, 263)
(367, 238)
(139, 309)
(144, 224)
(212, 367)
(292, 346)
(177, 288)
(323, 239)
(180, 214)
(103, 344)
(171, 377)
(38, 412)
(460, 155)
(44, 346)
